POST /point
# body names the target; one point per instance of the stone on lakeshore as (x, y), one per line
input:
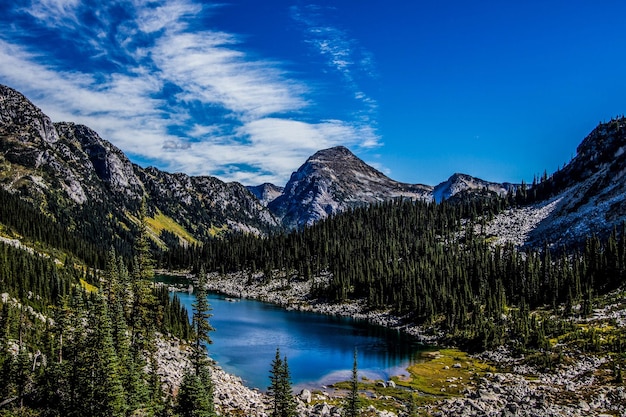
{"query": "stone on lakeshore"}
(305, 395)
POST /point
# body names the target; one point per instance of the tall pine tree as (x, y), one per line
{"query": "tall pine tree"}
(353, 401)
(195, 397)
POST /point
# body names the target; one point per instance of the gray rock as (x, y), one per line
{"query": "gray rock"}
(305, 395)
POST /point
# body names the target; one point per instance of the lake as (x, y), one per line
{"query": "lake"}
(319, 348)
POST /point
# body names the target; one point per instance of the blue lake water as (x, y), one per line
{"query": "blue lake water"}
(319, 348)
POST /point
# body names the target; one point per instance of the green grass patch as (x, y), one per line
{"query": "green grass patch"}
(437, 375)
(216, 231)
(444, 373)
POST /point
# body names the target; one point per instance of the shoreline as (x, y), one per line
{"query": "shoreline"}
(582, 387)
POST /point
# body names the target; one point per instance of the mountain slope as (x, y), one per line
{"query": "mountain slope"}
(586, 197)
(333, 180)
(84, 182)
(589, 193)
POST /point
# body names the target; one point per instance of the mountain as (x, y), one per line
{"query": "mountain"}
(84, 182)
(458, 183)
(333, 180)
(266, 193)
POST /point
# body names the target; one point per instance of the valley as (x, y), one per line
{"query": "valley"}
(520, 285)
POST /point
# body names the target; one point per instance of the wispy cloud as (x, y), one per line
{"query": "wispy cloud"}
(341, 52)
(206, 67)
(159, 84)
(61, 13)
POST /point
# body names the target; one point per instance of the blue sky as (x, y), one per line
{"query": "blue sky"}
(247, 90)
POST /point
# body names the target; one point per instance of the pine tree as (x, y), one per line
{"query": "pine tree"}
(195, 398)
(353, 401)
(280, 388)
(106, 394)
(200, 321)
(275, 389)
(145, 316)
(288, 403)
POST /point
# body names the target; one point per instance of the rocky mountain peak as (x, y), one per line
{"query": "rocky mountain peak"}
(333, 180)
(341, 161)
(458, 183)
(22, 121)
(266, 193)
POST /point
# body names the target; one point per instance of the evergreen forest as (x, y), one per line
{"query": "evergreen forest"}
(81, 341)
(80, 317)
(432, 264)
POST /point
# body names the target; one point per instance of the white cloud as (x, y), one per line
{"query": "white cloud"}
(341, 52)
(256, 136)
(61, 13)
(167, 16)
(207, 68)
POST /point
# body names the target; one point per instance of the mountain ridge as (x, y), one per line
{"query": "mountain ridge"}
(64, 168)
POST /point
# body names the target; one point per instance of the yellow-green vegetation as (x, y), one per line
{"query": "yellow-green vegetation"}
(215, 230)
(87, 286)
(443, 373)
(162, 222)
(373, 393)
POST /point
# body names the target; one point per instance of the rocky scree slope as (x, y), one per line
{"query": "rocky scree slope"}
(68, 169)
(589, 193)
(586, 197)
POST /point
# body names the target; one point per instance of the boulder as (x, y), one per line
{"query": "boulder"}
(305, 396)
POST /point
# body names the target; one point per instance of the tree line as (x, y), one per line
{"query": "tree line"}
(433, 264)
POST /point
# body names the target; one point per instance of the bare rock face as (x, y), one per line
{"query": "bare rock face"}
(333, 180)
(23, 121)
(106, 161)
